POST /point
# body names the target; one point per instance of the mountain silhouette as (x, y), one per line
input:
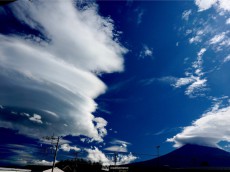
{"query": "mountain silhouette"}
(189, 156)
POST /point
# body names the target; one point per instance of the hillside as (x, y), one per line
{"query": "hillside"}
(189, 156)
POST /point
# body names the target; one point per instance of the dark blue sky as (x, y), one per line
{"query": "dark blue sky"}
(113, 76)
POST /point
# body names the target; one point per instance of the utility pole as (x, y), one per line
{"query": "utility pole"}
(158, 151)
(115, 158)
(56, 147)
(158, 155)
(55, 154)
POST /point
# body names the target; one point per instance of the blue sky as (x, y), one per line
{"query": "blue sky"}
(113, 76)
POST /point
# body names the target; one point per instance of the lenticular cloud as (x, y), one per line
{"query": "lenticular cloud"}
(209, 130)
(53, 75)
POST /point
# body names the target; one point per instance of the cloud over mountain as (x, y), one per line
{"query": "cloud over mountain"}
(208, 130)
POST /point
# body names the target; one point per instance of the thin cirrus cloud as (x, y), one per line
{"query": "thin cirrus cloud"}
(146, 52)
(56, 74)
(186, 14)
(118, 146)
(22, 154)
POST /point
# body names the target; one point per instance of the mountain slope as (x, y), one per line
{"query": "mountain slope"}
(190, 156)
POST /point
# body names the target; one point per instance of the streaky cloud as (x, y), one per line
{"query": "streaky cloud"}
(56, 73)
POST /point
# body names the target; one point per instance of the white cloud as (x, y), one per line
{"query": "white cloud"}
(209, 130)
(57, 72)
(66, 147)
(228, 21)
(220, 41)
(217, 38)
(186, 14)
(196, 86)
(100, 125)
(36, 118)
(125, 159)
(201, 53)
(204, 4)
(146, 52)
(183, 81)
(83, 139)
(223, 5)
(195, 39)
(226, 59)
(199, 34)
(194, 81)
(95, 155)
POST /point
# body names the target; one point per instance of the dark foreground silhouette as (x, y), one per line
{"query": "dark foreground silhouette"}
(191, 158)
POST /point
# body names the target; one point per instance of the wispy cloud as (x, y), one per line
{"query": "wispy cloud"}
(22, 154)
(146, 52)
(171, 80)
(186, 14)
(116, 149)
(56, 72)
(197, 36)
(164, 131)
(140, 13)
(195, 81)
(118, 146)
(116, 141)
(220, 42)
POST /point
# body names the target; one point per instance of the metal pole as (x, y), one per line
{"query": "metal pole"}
(115, 158)
(55, 155)
(158, 151)
(158, 155)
